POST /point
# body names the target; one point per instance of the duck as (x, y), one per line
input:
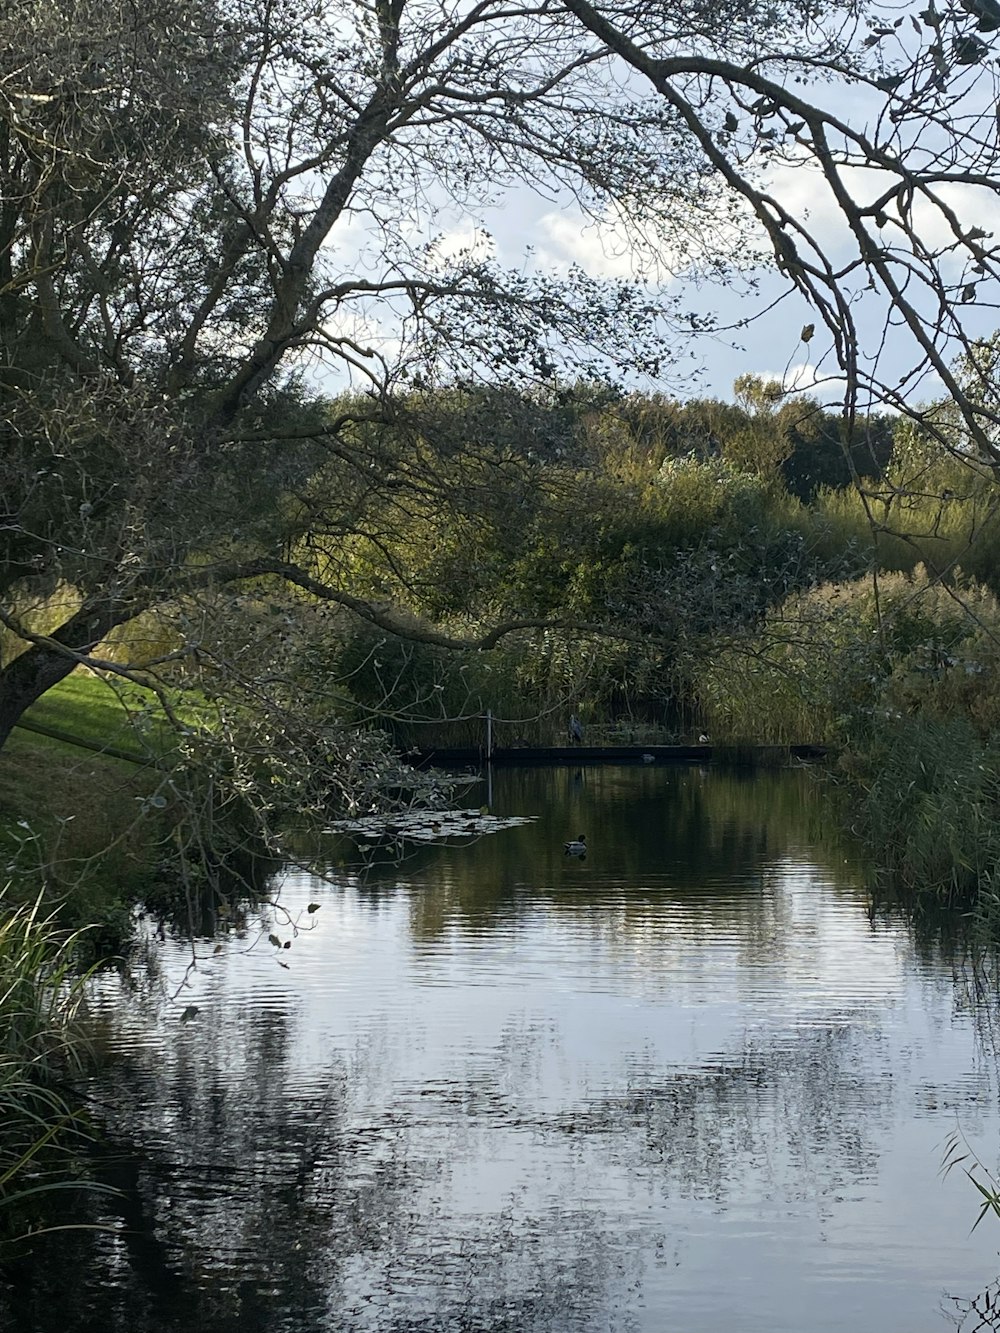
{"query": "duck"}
(576, 846)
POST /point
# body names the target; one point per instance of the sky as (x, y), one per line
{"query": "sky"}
(759, 330)
(529, 232)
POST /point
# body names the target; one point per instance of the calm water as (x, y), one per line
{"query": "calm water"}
(686, 1084)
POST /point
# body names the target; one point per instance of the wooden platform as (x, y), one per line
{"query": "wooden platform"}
(618, 754)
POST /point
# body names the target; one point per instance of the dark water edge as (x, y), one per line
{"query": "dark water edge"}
(691, 1082)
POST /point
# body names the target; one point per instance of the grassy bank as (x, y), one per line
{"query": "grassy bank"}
(105, 712)
(79, 821)
(87, 837)
(99, 835)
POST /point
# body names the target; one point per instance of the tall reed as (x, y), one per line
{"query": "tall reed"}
(925, 795)
(41, 1048)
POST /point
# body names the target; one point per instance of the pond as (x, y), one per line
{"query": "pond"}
(688, 1082)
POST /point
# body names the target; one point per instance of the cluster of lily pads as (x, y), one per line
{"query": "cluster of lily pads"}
(427, 825)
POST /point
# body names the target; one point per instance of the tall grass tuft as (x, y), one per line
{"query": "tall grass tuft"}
(41, 1048)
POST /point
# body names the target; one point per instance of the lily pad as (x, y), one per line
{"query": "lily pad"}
(427, 825)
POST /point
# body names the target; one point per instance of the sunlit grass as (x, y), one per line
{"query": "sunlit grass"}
(106, 710)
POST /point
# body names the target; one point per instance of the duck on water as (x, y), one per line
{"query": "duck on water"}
(577, 846)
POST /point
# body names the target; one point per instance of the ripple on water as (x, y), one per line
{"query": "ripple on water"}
(685, 1083)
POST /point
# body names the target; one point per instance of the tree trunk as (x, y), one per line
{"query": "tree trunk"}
(49, 660)
(25, 680)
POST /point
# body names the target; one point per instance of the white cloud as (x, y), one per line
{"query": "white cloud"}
(465, 242)
(601, 249)
(973, 206)
(613, 246)
(800, 188)
(804, 377)
(367, 343)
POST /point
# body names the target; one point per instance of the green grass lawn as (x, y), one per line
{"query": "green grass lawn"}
(105, 710)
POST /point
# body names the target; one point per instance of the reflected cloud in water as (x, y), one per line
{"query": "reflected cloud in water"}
(692, 1082)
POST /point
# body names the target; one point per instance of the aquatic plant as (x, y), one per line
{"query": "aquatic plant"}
(959, 1154)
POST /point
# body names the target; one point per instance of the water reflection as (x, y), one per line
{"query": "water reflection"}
(691, 1082)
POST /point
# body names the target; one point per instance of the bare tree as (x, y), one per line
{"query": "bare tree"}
(891, 117)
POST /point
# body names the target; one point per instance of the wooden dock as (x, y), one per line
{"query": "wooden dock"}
(533, 755)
